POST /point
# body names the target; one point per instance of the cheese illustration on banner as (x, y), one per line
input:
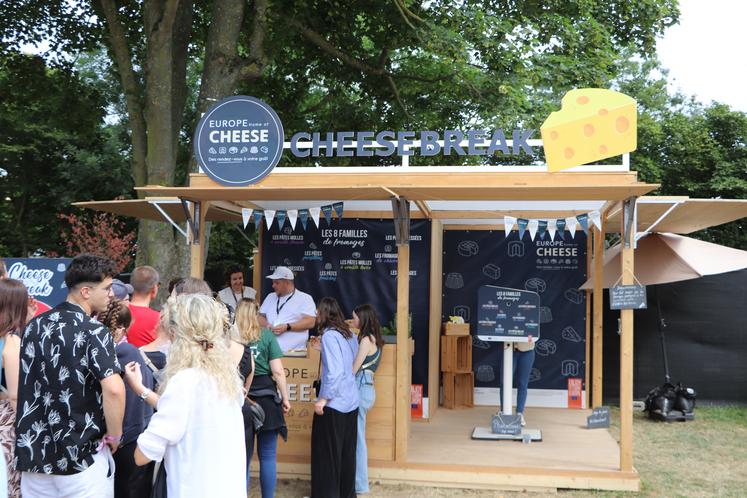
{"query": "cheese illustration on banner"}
(592, 124)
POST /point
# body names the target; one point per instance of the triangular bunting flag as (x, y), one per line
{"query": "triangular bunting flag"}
(246, 213)
(542, 226)
(596, 219)
(314, 212)
(337, 206)
(269, 217)
(551, 228)
(508, 224)
(292, 217)
(281, 216)
(560, 223)
(532, 226)
(303, 214)
(327, 210)
(571, 223)
(522, 226)
(258, 214)
(583, 220)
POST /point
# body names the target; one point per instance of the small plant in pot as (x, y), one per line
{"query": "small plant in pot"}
(389, 331)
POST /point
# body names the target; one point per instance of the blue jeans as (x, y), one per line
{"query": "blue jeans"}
(267, 445)
(367, 396)
(523, 361)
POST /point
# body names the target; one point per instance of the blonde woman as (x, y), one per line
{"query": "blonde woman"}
(197, 428)
(268, 388)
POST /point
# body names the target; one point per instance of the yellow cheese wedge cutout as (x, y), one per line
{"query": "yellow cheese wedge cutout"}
(592, 124)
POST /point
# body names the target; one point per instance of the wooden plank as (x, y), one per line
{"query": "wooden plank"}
(197, 250)
(257, 271)
(598, 339)
(435, 312)
(404, 369)
(587, 323)
(626, 363)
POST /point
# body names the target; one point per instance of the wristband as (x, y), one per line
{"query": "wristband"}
(144, 395)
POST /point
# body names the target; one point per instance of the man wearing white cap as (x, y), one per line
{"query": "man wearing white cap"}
(289, 312)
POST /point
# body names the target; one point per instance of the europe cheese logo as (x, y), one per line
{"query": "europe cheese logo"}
(592, 124)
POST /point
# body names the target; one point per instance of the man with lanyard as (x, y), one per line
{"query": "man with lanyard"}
(236, 289)
(288, 312)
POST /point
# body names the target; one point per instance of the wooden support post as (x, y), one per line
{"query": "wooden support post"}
(587, 336)
(626, 341)
(598, 336)
(404, 368)
(197, 240)
(434, 329)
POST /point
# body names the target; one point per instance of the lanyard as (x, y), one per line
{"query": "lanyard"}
(279, 307)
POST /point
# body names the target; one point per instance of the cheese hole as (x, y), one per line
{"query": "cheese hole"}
(602, 149)
(583, 99)
(568, 152)
(588, 130)
(603, 111)
(622, 124)
(554, 135)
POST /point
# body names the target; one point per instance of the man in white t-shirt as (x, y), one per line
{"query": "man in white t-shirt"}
(236, 289)
(288, 312)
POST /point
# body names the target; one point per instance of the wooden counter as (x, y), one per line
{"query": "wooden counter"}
(302, 372)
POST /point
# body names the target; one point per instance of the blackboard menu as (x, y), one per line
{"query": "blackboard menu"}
(508, 314)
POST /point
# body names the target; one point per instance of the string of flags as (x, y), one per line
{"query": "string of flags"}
(292, 215)
(559, 226)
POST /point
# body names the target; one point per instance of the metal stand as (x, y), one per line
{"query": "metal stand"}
(508, 379)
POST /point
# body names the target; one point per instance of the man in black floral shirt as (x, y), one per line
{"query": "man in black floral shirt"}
(70, 393)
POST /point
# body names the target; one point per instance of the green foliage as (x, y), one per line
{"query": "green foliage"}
(690, 149)
(391, 327)
(54, 151)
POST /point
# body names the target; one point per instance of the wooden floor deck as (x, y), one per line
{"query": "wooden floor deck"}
(442, 453)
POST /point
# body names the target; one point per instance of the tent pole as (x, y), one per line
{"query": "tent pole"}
(598, 338)
(434, 328)
(662, 325)
(626, 339)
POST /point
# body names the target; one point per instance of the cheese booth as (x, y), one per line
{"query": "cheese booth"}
(418, 242)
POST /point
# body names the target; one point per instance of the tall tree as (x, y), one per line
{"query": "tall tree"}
(357, 64)
(52, 147)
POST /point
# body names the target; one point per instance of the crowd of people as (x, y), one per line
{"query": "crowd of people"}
(105, 397)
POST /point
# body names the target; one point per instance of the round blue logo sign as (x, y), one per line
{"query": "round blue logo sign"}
(238, 141)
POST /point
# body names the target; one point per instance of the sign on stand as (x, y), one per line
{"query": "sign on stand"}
(506, 314)
(599, 418)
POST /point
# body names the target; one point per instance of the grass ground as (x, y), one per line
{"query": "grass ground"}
(703, 458)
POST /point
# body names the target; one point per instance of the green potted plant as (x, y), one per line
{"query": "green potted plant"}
(389, 331)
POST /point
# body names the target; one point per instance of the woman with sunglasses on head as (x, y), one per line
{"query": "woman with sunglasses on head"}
(370, 344)
(268, 389)
(334, 429)
(197, 429)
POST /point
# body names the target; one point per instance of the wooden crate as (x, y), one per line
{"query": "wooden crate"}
(449, 328)
(459, 390)
(456, 353)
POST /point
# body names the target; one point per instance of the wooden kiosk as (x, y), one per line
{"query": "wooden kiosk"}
(439, 451)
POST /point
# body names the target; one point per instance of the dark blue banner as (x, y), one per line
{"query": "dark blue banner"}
(355, 261)
(43, 277)
(554, 270)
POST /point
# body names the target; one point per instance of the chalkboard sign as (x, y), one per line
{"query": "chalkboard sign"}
(599, 418)
(506, 424)
(628, 297)
(506, 314)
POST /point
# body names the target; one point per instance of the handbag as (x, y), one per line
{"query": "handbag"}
(257, 413)
(159, 484)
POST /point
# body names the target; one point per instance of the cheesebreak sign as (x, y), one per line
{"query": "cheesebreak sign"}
(240, 139)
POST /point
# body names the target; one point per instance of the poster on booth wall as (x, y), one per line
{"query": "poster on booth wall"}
(553, 269)
(43, 277)
(355, 261)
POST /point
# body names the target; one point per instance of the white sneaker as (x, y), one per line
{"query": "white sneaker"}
(523, 422)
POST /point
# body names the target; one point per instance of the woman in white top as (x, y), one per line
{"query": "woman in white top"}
(198, 429)
(236, 290)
